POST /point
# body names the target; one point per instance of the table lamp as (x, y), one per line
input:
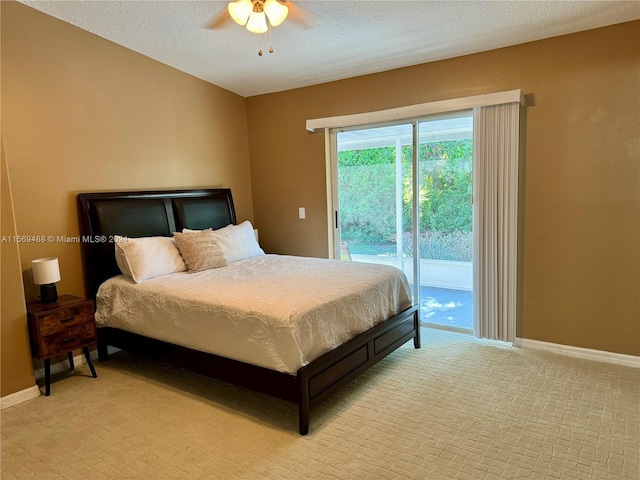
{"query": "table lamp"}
(46, 272)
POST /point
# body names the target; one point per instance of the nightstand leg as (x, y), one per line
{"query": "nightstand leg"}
(71, 365)
(87, 355)
(47, 376)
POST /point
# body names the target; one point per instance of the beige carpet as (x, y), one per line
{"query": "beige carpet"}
(459, 408)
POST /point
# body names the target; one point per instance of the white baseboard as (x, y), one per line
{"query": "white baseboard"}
(77, 360)
(579, 352)
(19, 397)
(60, 366)
(34, 392)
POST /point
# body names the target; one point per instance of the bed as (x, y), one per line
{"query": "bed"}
(289, 363)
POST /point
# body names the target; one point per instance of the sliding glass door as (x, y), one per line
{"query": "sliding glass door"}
(445, 156)
(379, 217)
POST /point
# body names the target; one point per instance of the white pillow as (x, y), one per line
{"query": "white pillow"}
(148, 257)
(237, 242)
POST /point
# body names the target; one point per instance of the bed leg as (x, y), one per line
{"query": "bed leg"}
(416, 323)
(103, 353)
(303, 407)
(303, 419)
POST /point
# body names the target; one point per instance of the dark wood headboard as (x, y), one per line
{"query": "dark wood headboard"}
(143, 214)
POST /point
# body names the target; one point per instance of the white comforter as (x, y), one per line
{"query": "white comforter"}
(274, 311)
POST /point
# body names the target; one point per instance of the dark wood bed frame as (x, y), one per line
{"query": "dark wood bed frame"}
(160, 213)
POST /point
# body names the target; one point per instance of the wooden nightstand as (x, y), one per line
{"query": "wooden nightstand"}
(59, 327)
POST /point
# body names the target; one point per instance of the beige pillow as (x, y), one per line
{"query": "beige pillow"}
(199, 250)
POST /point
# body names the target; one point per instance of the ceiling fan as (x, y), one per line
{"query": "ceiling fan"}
(258, 16)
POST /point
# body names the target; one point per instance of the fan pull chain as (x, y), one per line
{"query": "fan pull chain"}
(260, 41)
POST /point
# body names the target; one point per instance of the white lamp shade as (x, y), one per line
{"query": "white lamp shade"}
(257, 22)
(240, 11)
(276, 12)
(45, 270)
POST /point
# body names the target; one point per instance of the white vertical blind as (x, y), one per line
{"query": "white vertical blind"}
(495, 185)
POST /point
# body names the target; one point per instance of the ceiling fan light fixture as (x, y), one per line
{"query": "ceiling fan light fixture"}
(240, 11)
(257, 22)
(276, 12)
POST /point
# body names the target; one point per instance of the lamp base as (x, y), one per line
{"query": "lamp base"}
(48, 293)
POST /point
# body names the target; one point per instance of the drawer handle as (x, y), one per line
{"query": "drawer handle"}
(70, 339)
(65, 320)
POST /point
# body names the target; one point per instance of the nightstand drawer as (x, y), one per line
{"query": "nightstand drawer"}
(61, 320)
(70, 339)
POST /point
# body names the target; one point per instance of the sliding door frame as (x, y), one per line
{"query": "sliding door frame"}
(333, 194)
(333, 201)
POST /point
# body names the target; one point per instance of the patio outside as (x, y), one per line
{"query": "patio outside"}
(446, 296)
(447, 307)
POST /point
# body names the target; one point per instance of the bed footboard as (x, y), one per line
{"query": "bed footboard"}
(325, 375)
(313, 382)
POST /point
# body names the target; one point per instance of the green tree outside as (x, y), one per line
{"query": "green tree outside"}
(367, 182)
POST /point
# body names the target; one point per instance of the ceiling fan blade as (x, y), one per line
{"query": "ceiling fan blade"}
(219, 20)
(299, 15)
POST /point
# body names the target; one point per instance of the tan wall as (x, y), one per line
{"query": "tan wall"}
(80, 113)
(581, 231)
(17, 371)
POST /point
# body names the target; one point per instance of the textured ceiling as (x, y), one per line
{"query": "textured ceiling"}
(346, 39)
